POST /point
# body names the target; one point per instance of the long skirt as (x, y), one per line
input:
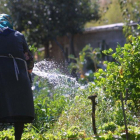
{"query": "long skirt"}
(16, 98)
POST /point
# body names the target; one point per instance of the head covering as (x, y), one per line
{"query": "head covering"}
(6, 24)
(6, 21)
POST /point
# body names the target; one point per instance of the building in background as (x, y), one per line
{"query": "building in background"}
(103, 37)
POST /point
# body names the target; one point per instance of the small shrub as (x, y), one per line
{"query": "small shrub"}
(111, 126)
(7, 134)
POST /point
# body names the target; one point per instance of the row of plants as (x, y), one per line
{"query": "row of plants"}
(74, 133)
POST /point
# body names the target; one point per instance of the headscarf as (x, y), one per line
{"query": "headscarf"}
(6, 21)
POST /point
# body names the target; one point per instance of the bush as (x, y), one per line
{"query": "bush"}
(7, 134)
(110, 126)
(48, 104)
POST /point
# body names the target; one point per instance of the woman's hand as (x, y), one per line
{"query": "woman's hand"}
(26, 56)
(30, 71)
(29, 61)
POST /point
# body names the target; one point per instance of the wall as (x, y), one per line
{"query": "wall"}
(111, 35)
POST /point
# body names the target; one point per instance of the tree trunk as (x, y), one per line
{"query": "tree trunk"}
(62, 49)
(47, 54)
(72, 50)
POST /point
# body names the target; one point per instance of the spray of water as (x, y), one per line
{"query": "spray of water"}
(51, 71)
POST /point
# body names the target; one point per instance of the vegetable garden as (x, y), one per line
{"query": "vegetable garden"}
(61, 116)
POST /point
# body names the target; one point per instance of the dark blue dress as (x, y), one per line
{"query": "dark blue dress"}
(16, 99)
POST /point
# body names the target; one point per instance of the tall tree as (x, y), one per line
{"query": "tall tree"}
(3, 7)
(131, 13)
(44, 20)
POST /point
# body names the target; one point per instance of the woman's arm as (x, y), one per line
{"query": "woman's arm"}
(29, 60)
(28, 55)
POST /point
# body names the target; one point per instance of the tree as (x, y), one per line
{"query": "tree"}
(122, 76)
(110, 13)
(3, 5)
(77, 13)
(44, 20)
(131, 13)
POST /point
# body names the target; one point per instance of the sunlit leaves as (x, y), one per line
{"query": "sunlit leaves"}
(124, 73)
(107, 52)
(87, 53)
(131, 13)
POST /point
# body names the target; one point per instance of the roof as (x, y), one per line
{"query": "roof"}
(117, 26)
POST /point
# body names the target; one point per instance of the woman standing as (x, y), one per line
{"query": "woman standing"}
(16, 62)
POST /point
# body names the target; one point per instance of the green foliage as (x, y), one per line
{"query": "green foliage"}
(48, 105)
(7, 134)
(45, 19)
(111, 126)
(73, 133)
(3, 7)
(131, 14)
(130, 10)
(77, 114)
(123, 74)
(33, 48)
(129, 110)
(75, 119)
(88, 56)
(110, 13)
(108, 52)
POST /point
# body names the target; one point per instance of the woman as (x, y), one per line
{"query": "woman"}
(16, 62)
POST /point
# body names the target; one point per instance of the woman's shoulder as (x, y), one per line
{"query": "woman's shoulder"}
(19, 36)
(8, 31)
(17, 33)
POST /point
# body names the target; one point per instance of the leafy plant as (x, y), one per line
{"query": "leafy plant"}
(130, 13)
(7, 134)
(86, 63)
(110, 126)
(122, 76)
(48, 106)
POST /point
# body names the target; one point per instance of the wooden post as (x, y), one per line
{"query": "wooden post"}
(92, 98)
(124, 115)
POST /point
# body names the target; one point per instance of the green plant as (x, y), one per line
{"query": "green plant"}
(7, 134)
(48, 105)
(110, 126)
(86, 63)
(122, 76)
(130, 13)
(130, 113)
